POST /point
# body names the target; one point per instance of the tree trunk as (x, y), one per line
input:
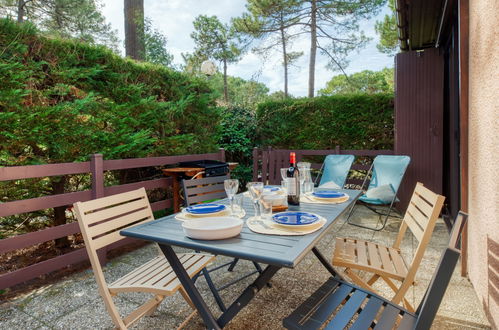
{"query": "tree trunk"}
(313, 48)
(20, 11)
(285, 61)
(226, 90)
(134, 29)
(58, 15)
(60, 211)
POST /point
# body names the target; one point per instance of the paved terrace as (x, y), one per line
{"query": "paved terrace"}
(74, 303)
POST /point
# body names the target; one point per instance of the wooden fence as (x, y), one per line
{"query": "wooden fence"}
(268, 162)
(96, 168)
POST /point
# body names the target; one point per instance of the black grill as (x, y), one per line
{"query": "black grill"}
(211, 167)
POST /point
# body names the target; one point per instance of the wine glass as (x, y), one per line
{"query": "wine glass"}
(231, 186)
(284, 173)
(255, 189)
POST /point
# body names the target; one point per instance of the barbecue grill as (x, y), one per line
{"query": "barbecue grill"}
(211, 167)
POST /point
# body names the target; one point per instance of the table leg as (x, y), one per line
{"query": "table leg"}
(189, 287)
(325, 263)
(247, 295)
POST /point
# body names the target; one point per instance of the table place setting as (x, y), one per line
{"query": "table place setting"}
(324, 197)
(210, 210)
(287, 223)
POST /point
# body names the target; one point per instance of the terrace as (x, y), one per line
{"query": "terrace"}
(74, 300)
(445, 110)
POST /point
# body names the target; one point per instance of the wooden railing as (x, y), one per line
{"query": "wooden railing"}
(96, 168)
(267, 162)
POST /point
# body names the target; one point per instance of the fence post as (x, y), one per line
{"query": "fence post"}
(255, 164)
(221, 151)
(97, 170)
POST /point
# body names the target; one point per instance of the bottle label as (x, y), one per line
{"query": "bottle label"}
(291, 183)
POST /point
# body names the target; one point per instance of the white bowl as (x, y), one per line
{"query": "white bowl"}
(212, 228)
(275, 199)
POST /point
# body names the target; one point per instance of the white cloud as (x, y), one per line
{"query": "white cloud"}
(174, 19)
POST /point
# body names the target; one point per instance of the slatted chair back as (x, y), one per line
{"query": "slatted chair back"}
(100, 222)
(205, 189)
(441, 278)
(420, 218)
(339, 305)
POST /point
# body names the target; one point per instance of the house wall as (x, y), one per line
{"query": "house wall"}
(483, 229)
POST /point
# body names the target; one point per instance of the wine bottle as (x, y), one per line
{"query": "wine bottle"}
(293, 178)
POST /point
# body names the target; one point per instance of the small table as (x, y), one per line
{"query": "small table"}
(177, 173)
(275, 251)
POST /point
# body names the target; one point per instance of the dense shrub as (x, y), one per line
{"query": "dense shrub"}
(356, 121)
(62, 100)
(238, 137)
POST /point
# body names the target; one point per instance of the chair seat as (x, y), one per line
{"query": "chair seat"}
(157, 276)
(372, 257)
(337, 305)
(374, 201)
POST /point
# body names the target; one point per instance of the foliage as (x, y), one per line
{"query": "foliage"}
(242, 93)
(155, 46)
(366, 81)
(215, 40)
(387, 31)
(334, 30)
(80, 19)
(355, 121)
(63, 100)
(272, 21)
(193, 63)
(238, 136)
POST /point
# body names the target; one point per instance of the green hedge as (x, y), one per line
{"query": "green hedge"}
(61, 100)
(356, 121)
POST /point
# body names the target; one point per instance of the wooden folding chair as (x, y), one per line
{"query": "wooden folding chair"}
(339, 305)
(208, 189)
(386, 262)
(100, 222)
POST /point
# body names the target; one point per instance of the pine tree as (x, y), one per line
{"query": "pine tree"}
(387, 31)
(272, 20)
(80, 19)
(217, 41)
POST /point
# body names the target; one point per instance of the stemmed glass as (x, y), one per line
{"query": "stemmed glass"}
(231, 186)
(284, 173)
(284, 176)
(255, 189)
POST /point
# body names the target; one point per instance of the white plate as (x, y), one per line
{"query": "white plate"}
(213, 228)
(214, 214)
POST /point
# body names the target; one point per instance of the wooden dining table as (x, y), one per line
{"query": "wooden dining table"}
(274, 251)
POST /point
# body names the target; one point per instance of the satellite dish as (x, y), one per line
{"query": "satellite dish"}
(208, 68)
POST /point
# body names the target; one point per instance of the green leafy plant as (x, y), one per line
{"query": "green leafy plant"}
(61, 100)
(238, 135)
(355, 121)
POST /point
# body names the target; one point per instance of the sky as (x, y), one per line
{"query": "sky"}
(174, 18)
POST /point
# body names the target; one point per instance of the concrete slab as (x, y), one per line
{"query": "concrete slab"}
(75, 303)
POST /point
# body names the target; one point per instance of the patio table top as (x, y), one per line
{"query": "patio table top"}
(282, 251)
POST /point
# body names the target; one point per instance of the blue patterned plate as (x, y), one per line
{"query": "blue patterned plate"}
(295, 218)
(207, 208)
(328, 194)
(272, 188)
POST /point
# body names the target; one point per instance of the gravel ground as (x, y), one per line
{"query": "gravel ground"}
(74, 303)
